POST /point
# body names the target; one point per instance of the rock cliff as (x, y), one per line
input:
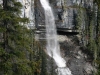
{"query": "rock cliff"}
(65, 11)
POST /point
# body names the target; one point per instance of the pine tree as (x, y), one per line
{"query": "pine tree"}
(17, 44)
(44, 64)
(98, 36)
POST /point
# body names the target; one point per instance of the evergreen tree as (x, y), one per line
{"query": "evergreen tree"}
(16, 47)
(98, 36)
(44, 64)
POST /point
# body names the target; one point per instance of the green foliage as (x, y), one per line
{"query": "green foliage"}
(78, 19)
(98, 62)
(44, 64)
(19, 52)
(98, 38)
(93, 33)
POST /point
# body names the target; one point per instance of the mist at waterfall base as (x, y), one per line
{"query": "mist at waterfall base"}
(53, 48)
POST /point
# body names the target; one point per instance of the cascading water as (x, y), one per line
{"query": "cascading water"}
(53, 48)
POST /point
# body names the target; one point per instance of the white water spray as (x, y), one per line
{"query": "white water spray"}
(53, 48)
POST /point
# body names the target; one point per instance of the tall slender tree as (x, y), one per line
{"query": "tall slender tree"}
(17, 44)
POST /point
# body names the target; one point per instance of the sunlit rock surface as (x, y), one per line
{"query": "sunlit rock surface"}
(64, 11)
(28, 11)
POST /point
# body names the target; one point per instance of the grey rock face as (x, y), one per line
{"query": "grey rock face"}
(0, 1)
(79, 62)
(28, 11)
(64, 11)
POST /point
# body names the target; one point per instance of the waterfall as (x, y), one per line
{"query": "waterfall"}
(53, 48)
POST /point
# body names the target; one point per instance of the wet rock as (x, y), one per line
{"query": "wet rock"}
(77, 60)
(88, 68)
